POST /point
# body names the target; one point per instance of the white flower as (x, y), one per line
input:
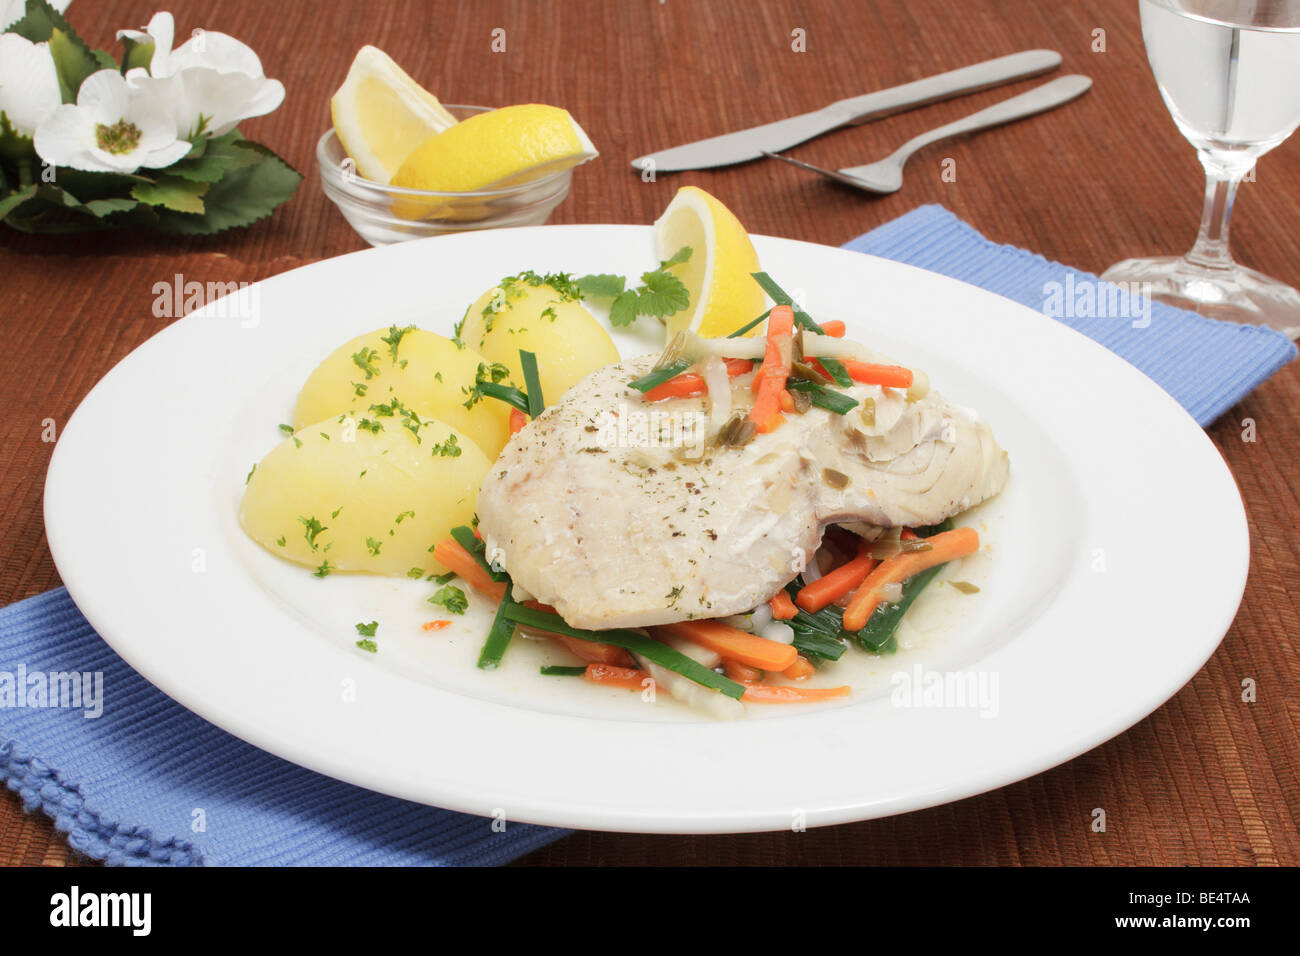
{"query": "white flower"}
(212, 80)
(29, 85)
(112, 128)
(11, 11)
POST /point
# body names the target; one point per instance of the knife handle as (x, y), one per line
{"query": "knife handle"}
(932, 89)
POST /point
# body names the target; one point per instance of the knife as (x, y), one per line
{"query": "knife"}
(750, 143)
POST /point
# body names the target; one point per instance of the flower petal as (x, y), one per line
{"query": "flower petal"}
(29, 84)
(67, 138)
(105, 96)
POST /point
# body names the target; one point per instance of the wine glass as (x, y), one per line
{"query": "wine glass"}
(1229, 72)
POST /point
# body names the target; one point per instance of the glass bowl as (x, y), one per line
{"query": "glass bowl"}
(383, 214)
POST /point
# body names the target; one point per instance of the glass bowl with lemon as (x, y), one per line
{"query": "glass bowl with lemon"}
(401, 165)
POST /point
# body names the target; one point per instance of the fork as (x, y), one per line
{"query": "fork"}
(886, 176)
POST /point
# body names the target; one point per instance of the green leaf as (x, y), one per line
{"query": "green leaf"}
(14, 200)
(624, 309)
(217, 157)
(172, 192)
(139, 53)
(601, 286)
(241, 197)
(677, 258)
(663, 294)
(73, 61)
(13, 144)
(104, 59)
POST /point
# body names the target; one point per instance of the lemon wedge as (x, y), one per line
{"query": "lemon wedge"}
(381, 115)
(514, 144)
(718, 275)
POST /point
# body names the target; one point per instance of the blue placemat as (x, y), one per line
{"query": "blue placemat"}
(1205, 364)
(149, 782)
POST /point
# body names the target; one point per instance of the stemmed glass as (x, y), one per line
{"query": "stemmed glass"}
(1229, 72)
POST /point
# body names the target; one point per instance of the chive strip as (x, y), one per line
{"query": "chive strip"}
(660, 375)
(779, 296)
(824, 397)
(836, 370)
(833, 367)
(650, 649)
(506, 393)
(553, 670)
(498, 639)
(533, 383)
(466, 538)
(748, 325)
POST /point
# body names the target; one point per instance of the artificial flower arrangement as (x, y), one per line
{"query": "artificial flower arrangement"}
(89, 143)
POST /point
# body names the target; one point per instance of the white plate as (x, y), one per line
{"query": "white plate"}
(1095, 606)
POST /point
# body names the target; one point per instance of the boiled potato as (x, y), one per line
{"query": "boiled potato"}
(527, 312)
(427, 372)
(342, 497)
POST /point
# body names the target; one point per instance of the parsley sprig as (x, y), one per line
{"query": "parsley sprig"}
(660, 294)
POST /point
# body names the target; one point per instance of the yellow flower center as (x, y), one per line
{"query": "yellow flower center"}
(121, 137)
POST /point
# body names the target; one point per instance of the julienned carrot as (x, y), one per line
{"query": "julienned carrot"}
(944, 547)
(780, 694)
(615, 676)
(770, 381)
(591, 651)
(434, 625)
(787, 400)
(829, 588)
(801, 669)
(690, 383)
(891, 376)
(518, 420)
(742, 673)
(834, 328)
(453, 557)
(734, 644)
(782, 607)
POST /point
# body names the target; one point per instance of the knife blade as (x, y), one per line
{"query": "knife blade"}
(750, 143)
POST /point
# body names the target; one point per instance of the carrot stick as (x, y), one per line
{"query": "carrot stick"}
(612, 676)
(893, 376)
(591, 651)
(779, 694)
(434, 625)
(829, 588)
(782, 607)
(453, 557)
(734, 644)
(834, 328)
(690, 383)
(787, 400)
(770, 382)
(518, 420)
(801, 669)
(742, 673)
(944, 547)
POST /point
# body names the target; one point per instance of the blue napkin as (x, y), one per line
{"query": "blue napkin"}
(148, 782)
(1205, 364)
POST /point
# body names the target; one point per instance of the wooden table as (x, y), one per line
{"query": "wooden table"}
(1206, 779)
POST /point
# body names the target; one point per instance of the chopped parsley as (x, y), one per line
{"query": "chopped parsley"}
(404, 514)
(448, 449)
(365, 360)
(368, 645)
(368, 630)
(415, 573)
(286, 429)
(312, 529)
(324, 569)
(450, 597)
(394, 339)
(373, 545)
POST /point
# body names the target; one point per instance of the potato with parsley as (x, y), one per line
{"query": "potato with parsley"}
(433, 375)
(372, 494)
(543, 315)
